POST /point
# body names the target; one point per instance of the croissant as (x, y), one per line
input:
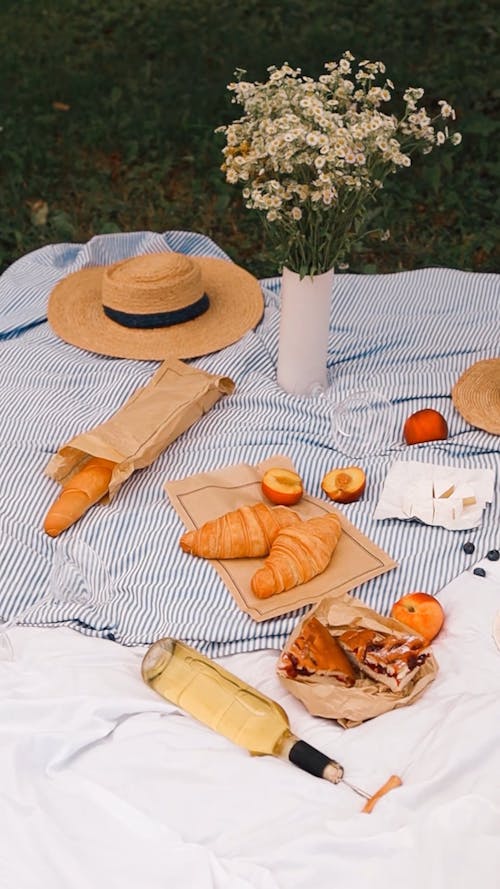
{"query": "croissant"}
(83, 489)
(298, 554)
(245, 532)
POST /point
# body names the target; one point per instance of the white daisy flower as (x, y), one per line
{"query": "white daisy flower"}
(304, 147)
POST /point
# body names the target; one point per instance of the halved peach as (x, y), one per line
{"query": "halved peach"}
(282, 486)
(344, 485)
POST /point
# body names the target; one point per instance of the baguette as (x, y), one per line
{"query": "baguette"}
(242, 533)
(86, 487)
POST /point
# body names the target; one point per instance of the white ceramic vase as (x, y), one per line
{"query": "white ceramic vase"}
(304, 329)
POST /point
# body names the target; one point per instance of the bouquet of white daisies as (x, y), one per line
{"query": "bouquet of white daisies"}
(312, 155)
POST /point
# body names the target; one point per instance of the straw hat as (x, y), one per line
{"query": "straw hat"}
(156, 306)
(476, 395)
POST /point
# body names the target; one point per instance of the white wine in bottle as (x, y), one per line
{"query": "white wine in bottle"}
(241, 713)
(225, 703)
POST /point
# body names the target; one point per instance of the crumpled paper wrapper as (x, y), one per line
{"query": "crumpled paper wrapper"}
(176, 396)
(199, 498)
(367, 698)
(449, 496)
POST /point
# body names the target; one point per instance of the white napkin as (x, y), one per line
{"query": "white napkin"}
(450, 496)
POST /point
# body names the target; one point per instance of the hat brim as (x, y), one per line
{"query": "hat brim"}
(476, 395)
(236, 304)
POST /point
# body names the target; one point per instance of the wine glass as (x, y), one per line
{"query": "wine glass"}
(78, 575)
(364, 423)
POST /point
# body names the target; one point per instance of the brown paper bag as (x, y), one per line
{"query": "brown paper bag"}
(209, 495)
(367, 698)
(176, 396)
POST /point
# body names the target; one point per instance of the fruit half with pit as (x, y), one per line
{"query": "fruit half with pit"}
(425, 425)
(421, 612)
(282, 486)
(344, 485)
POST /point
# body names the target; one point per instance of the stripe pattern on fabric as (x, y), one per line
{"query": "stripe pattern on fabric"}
(409, 335)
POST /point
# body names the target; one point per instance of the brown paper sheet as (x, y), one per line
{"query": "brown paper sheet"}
(175, 397)
(367, 698)
(206, 496)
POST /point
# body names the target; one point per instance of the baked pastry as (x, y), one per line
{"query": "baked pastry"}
(298, 554)
(388, 658)
(316, 652)
(242, 533)
(85, 487)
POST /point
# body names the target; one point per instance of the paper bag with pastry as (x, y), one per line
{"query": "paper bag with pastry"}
(389, 665)
(92, 466)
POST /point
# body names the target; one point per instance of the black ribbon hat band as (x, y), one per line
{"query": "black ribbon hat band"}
(159, 319)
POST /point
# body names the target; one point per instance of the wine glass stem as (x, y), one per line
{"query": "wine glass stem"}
(22, 615)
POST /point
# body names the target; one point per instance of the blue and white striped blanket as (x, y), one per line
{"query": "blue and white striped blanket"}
(409, 335)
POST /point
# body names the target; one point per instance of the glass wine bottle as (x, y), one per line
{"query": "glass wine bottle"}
(230, 706)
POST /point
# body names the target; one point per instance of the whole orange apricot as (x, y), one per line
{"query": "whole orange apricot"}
(420, 611)
(425, 425)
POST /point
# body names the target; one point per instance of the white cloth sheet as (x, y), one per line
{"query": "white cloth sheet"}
(104, 784)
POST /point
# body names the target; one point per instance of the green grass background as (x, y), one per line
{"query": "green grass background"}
(145, 85)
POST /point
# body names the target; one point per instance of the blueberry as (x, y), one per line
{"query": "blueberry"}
(468, 548)
(480, 572)
(493, 555)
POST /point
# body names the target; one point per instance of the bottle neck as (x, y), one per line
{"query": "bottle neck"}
(284, 744)
(301, 754)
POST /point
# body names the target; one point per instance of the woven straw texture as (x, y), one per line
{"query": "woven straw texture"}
(156, 283)
(476, 395)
